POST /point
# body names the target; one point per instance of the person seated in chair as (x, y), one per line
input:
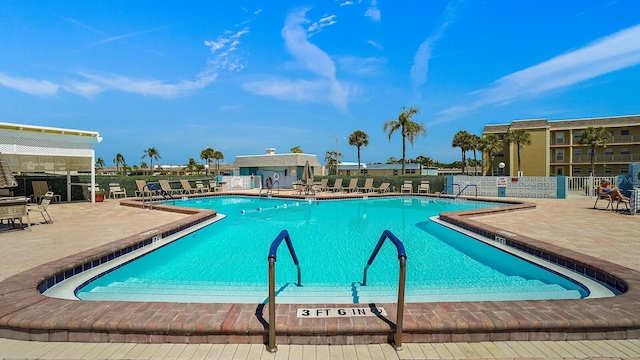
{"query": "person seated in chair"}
(605, 188)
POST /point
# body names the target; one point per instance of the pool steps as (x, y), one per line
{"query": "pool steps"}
(327, 294)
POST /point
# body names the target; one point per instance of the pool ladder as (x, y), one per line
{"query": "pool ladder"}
(284, 235)
(153, 190)
(270, 190)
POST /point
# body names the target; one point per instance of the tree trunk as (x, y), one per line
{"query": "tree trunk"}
(404, 147)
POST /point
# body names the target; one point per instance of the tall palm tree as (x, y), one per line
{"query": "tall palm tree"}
(520, 137)
(330, 157)
(462, 139)
(119, 159)
(207, 155)
(192, 165)
(99, 163)
(409, 129)
(152, 153)
(474, 141)
(594, 136)
(359, 138)
(425, 161)
(297, 150)
(217, 156)
(490, 144)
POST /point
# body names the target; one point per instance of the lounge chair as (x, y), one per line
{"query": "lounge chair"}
(298, 188)
(353, 186)
(187, 189)
(407, 187)
(322, 186)
(42, 207)
(368, 186)
(310, 187)
(115, 191)
(337, 185)
(424, 187)
(143, 189)
(40, 188)
(610, 201)
(213, 186)
(166, 187)
(383, 188)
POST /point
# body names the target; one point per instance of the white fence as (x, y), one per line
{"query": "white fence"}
(580, 187)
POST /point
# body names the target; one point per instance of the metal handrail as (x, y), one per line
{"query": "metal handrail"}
(270, 189)
(284, 235)
(464, 188)
(402, 257)
(447, 188)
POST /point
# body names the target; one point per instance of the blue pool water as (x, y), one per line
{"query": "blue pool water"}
(227, 261)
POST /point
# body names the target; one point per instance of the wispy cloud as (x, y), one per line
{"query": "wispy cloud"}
(313, 59)
(346, 3)
(120, 37)
(316, 27)
(420, 67)
(615, 52)
(373, 12)
(375, 44)
(361, 66)
(224, 48)
(148, 87)
(29, 86)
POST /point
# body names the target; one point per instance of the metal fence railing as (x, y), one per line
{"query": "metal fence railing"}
(584, 186)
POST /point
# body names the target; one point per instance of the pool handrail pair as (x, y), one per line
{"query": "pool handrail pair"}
(284, 235)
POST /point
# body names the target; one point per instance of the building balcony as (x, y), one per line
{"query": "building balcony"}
(606, 159)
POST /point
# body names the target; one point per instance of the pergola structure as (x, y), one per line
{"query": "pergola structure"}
(41, 149)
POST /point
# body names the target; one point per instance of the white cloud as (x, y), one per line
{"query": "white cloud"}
(361, 66)
(149, 87)
(420, 67)
(346, 3)
(86, 89)
(312, 57)
(375, 44)
(296, 90)
(317, 26)
(373, 12)
(615, 52)
(29, 86)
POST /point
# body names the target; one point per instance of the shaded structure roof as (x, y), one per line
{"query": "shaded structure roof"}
(630, 120)
(276, 160)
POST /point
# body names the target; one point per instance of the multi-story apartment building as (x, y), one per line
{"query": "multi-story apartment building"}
(555, 147)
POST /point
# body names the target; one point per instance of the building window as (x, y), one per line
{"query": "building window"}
(608, 170)
(624, 132)
(409, 171)
(608, 151)
(363, 171)
(577, 170)
(348, 172)
(559, 138)
(576, 134)
(395, 172)
(501, 137)
(500, 155)
(624, 169)
(624, 151)
(560, 155)
(577, 152)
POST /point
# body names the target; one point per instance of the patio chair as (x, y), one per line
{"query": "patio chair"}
(213, 186)
(203, 188)
(298, 188)
(42, 207)
(407, 187)
(115, 191)
(12, 209)
(143, 189)
(40, 188)
(610, 201)
(424, 187)
(337, 185)
(368, 186)
(187, 189)
(166, 187)
(353, 186)
(383, 188)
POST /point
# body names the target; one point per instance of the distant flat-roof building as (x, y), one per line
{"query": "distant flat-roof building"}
(555, 147)
(351, 169)
(284, 168)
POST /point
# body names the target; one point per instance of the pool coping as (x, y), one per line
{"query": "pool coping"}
(26, 314)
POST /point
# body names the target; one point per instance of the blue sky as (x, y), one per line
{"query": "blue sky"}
(241, 76)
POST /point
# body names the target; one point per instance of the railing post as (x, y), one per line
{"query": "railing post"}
(400, 313)
(272, 306)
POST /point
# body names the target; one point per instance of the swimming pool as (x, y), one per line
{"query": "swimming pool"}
(226, 262)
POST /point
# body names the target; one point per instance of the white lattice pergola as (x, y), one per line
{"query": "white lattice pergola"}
(41, 149)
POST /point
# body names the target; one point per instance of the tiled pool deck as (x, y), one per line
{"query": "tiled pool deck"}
(598, 239)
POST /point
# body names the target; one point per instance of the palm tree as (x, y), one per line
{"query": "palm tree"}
(207, 155)
(217, 156)
(297, 150)
(99, 163)
(409, 129)
(425, 161)
(520, 137)
(474, 141)
(491, 145)
(192, 165)
(119, 159)
(152, 153)
(594, 136)
(330, 157)
(462, 139)
(359, 138)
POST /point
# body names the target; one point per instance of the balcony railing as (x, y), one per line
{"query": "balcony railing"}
(603, 159)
